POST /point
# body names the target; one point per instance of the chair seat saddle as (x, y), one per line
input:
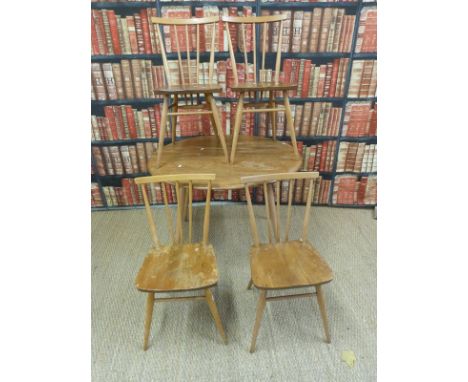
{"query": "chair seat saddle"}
(177, 268)
(264, 86)
(287, 265)
(193, 88)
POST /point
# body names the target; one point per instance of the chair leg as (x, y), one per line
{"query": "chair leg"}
(272, 104)
(214, 312)
(217, 125)
(250, 284)
(260, 308)
(290, 124)
(174, 118)
(149, 318)
(323, 312)
(185, 208)
(162, 130)
(237, 125)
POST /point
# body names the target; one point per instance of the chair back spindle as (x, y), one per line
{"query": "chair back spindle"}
(181, 183)
(189, 71)
(253, 21)
(272, 198)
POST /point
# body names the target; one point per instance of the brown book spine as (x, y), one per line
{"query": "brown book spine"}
(132, 35)
(114, 32)
(127, 79)
(105, 20)
(315, 29)
(139, 34)
(100, 31)
(98, 81)
(98, 160)
(306, 22)
(109, 81)
(145, 31)
(136, 74)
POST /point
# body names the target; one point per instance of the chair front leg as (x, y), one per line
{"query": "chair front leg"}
(323, 312)
(174, 118)
(260, 308)
(149, 318)
(217, 125)
(290, 124)
(162, 130)
(214, 312)
(237, 125)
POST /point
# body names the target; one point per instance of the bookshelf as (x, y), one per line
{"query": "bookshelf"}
(318, 58)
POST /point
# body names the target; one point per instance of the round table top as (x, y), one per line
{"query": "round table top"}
(254, 156)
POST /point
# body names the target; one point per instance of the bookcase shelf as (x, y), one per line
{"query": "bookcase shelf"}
(352, 8)
(304, 5)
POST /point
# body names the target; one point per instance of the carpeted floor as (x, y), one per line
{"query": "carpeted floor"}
(184, 343)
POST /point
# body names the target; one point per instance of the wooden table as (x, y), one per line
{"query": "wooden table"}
(255, 156)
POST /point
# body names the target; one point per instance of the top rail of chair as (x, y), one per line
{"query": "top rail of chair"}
(190, 21)
(254, 19)
(175, 178)
(280, 176)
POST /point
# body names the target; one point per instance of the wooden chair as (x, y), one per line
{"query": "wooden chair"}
(182, 265)
(189, 72)
(284, 264)
(260, 84)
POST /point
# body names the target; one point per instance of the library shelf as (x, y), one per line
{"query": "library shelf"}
(353, 8)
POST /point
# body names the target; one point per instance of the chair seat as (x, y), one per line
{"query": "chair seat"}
(287, 265)
(194, 89)
(178, 268)
(263, 86)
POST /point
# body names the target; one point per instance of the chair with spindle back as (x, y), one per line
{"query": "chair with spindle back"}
(189, 78)
(261, 84)
(182, 265)
(284, 264)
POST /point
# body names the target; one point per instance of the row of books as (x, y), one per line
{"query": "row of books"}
(360, 119)
(367, 31)
(319, 157)
(348, 189)
(357, 157)
(305, 1)
(130, 194)
(310, 119)
(120, 160)
(137, 79)
(124, 122)
(241, 43)
(320, 30)
(363, 81)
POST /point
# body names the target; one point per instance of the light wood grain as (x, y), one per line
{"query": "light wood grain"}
(292, 264)
(258, 319)
(289, 263)
(179, 266)
(255, 156)
(260, 84)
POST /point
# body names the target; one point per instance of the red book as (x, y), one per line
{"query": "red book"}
(100, 29)
(131, 122)
(94, 39)
(146, 123)
(201, 30)
(157, 116)
(127, 191)
(323, 156)
(361, 193)
(145, 30)
(287, 69)
(373, 122)
(306, 78)
(120, 122)
(132, 35)
(109, 113)
(114, 32)
(321, 82)
(334, 78)
(233, 28)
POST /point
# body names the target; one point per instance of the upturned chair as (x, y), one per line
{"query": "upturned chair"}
(189, 74)
(284, 263)
(261, 84)
(182, 265)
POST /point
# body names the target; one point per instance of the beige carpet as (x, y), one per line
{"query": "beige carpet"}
(184, 343)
